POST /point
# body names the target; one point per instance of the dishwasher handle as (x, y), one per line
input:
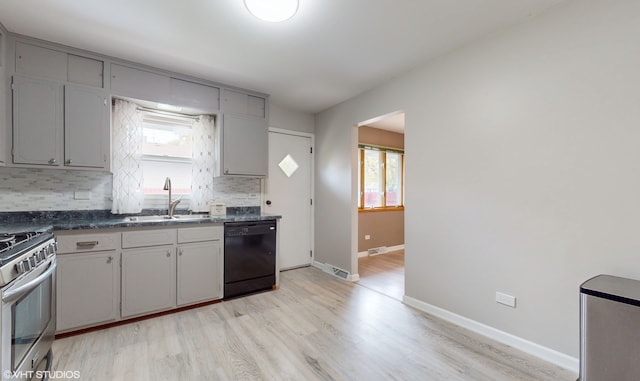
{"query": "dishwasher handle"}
(249, 228)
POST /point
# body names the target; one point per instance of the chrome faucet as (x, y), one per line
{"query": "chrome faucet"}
(174, 204)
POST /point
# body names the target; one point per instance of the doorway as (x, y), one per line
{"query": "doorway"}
(380, 219)
(288, 192)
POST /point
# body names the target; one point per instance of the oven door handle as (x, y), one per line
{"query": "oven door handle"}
(11, 295)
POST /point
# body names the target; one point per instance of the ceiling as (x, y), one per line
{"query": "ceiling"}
(330, 51)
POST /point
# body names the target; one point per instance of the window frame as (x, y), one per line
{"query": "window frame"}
(383, 175)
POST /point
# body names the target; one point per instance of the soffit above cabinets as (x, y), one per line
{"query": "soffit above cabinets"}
(328, 52)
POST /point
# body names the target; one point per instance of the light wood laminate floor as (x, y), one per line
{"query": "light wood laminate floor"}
(314, 327)
(383, 273)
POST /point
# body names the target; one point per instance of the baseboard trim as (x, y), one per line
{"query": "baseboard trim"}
(542, 352)
(389, 250)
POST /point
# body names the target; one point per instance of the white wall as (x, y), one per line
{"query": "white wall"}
(288, 119)
(522, 172)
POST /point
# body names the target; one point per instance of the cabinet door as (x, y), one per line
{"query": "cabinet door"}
(199, 272)
(140, 84)
(43, 62)
(245, 146)
(195, 95)
(86, 289)
(86, 71)
(37, 121)
(86, 127)
(148, 280)
(234, 102)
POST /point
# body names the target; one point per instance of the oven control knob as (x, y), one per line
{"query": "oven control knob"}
(33, 261)
(42, 255)
(23, 266)
(20, 267)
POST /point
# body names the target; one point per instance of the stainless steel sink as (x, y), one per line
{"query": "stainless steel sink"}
(182, 217)
(147, 218)
(190, 216)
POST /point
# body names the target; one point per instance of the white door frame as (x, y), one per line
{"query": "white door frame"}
(313, 205)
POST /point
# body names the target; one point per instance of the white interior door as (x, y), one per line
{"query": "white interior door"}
(288, 193)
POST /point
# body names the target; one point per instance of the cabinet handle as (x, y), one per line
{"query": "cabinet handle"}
(87, 243)
(168, 253)
(180, 252)
(109, 259)
(52, 161)
(68, 161)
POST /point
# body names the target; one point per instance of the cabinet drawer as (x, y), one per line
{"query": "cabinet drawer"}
(148, 238)
(76, 243)
(199, 234)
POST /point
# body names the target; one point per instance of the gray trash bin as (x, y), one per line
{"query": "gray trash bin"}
(610, 329)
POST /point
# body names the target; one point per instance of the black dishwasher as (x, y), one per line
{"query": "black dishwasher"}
(249, 257)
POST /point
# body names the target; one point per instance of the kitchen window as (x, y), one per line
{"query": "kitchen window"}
(167, 151)
(381, 178)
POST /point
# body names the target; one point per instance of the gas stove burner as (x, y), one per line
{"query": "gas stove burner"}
(8, 241)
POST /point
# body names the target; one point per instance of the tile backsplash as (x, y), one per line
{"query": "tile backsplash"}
(53, 189)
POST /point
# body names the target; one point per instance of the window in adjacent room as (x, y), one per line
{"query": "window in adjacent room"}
(381, 178)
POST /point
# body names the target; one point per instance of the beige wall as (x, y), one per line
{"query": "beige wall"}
(385, 228)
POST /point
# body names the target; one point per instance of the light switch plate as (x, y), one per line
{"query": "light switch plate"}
(82, 195)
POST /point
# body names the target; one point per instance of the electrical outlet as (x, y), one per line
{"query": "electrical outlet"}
(367, 237)
(505, 299)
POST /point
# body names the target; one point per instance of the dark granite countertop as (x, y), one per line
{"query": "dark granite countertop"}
(80, 220)
(24, 227)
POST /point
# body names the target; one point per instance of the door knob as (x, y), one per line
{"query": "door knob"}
(268, 202)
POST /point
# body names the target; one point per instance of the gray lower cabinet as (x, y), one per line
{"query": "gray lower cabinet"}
(87, 289)
(87, 279)
(148, 280)
(199, 272)
(109, 275)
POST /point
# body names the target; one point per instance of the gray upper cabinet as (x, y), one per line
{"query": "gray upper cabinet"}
(153, 87)
(60, 109)
(33, 60)
(85, 71)
(39, 125)
(86, 127)
(42, 62)
(244, 146)
(37, 121)
(195, 95)
(242, 136)
(234, 102)
(3, 100)
(140, 84)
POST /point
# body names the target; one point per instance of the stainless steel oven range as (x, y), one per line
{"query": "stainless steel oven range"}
(27, 292)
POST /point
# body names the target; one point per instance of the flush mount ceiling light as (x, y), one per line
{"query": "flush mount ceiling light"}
(272, 10)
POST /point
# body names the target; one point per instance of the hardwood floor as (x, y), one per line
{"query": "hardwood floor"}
(314, 327)
(383, 273)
